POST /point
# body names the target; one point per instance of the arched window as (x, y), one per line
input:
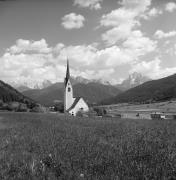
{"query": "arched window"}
(69, 89)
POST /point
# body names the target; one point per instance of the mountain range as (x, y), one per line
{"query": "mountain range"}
(31, 85)
(91, 92)
(95, 92)
(151, 91)
(133, 80)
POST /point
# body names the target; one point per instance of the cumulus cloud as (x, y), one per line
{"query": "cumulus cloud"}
(30, 68)
(159, 34)
(116, 34)
(153, 69)
(73, 21)
(123, 20)
(140, 44)
(137, 5)
(154, 12)
(22, 46)
(170, 7)
(92, 4)
(118, 17)
(31, 61)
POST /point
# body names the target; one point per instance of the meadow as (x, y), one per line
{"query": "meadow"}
(52, 146)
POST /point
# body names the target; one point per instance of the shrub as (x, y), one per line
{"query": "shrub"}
(22, 108)
(59, 107)
(100, 111)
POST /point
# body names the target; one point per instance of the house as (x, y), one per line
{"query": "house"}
(72, 105)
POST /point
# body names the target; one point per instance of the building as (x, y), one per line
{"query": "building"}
(72, 105)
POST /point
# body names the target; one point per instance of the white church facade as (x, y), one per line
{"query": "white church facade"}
(72, 105)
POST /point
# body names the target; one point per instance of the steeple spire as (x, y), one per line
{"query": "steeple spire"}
(67, 73)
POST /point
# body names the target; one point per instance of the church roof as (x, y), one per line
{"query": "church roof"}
(67, 73)
(74, 103)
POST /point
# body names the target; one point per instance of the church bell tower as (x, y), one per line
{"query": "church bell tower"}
(68, 94)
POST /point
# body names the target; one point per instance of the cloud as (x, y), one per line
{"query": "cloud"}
(89, 57)
(34, 61)
(116, 34)
(22, 46)
(139, 44)
(159, 34)
(92, 4)
(137, 5)
(123, 21)
(170, 7)
(30, 68)
(117, 17)
(154, 12)
(73, 21)
(130, 10)
(153, 69)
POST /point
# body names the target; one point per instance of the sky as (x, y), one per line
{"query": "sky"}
(103, 39)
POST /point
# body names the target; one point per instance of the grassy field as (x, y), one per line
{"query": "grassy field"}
(167, 106)
(49, 146)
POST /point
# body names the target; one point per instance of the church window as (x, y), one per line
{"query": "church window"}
(69, 89)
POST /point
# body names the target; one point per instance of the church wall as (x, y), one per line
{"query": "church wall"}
(81, 104)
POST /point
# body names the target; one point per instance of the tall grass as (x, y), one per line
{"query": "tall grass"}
(41, 146)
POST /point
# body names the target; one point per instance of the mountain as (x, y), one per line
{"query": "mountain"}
(9, 94)
(46, 83)
(31, 85)
(47, 95)
(95, 92)
(134, 79)
(91, 92)
(79, 79)
(151, 91)
(22, 88)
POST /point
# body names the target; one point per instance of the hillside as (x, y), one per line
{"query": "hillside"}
(152, 91)
(91, 92)
(9, 94)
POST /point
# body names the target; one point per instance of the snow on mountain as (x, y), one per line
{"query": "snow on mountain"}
(134, 79)
(31, 85)
(82, 80)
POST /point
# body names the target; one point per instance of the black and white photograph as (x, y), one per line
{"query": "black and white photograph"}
(87, 89)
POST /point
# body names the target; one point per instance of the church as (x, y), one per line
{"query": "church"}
(72, 105)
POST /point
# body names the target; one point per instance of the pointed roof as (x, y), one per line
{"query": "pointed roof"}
(67, 73)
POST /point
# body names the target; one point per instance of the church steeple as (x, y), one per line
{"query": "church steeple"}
(68, 95)
(67, 73)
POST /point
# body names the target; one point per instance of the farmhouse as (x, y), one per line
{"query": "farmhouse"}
(72, 105)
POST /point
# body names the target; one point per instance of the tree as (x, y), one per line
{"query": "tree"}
(59, 106)
(100, 111)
